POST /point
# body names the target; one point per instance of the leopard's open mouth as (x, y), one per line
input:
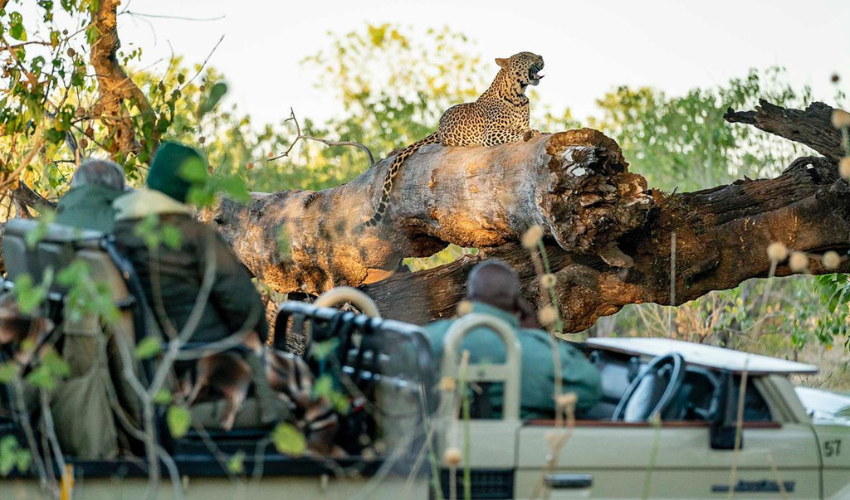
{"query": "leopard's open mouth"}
(534, 75)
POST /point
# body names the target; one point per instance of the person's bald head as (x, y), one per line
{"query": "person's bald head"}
(495, 283)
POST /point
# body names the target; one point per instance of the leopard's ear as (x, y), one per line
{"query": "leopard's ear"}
(502, 62)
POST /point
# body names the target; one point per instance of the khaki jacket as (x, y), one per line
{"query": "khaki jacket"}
(172, 275)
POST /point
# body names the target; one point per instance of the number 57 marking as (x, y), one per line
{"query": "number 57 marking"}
(832, 448)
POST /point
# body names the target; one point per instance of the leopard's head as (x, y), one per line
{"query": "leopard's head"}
(525, 67)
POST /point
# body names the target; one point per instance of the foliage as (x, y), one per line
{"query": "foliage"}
(49, 114)
(50, 370)
(683, 142)
(236, 463)
(86, 296)
(288, 440)
(834, 322)
(387, 98)
(179, 420)
(148, 347)
(30, 296)
(13, 456)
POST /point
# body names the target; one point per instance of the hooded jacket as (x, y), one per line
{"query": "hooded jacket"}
(172, 272)
(88, 207)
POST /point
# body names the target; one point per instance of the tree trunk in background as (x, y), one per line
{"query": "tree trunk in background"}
(576, 186)
(117, 91)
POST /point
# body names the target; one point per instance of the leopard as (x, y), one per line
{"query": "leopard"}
(500, 115)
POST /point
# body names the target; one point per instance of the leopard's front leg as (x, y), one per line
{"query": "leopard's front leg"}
(530, 134)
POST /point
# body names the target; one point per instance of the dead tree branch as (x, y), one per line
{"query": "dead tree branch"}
(576, 186)
(326, 142)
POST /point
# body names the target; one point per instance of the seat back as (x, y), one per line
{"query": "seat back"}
(507, 373)
(386, 362)
(56, 248)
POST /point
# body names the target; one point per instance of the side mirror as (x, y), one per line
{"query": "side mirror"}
(724, 415)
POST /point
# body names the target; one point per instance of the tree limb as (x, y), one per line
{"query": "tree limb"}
(576, 186)
(812, 126)
(326, 142)
(116, 89)
(722, 236)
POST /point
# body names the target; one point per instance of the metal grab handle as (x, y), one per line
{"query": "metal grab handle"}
(341, 295)
(344, 294)
(568, 481)
(509, 373)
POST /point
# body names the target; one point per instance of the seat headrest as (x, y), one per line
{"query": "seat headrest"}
(57, 233)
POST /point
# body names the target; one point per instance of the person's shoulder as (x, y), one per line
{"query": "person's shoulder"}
(436, 330)
(533, 334)
(440, 325)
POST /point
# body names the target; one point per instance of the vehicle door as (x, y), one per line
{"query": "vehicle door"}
(603, 459)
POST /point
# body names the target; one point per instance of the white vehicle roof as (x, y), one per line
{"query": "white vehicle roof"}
(715, 358)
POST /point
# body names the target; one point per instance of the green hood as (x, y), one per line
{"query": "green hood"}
(88, 207)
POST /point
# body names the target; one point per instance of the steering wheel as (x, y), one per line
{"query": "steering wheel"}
(653, 390)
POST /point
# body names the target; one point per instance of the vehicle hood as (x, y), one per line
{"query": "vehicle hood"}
(825, 407)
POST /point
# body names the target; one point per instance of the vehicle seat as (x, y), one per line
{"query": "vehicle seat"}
(388, 363)
(78, 338)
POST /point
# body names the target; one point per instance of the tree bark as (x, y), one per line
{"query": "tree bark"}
(451, 195)
(118, 93)
(575, 185)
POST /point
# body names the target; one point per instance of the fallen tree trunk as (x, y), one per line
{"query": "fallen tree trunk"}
(574, 184)
(721, 234)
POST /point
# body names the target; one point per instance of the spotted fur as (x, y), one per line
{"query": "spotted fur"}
(499, 116)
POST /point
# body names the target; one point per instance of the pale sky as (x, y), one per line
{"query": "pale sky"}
(590, 47)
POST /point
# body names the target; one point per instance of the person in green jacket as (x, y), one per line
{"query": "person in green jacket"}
(172, 273)
(494, 289)
(88, 204)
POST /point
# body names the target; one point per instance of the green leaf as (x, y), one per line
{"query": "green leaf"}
(324, 386)
(29, 296)
(8, 370)
(55, 364)
(148, 231)
(8, 454)
(288, 440)
(236, 463)
(148, 348)
(216, 93)
(16, 27)
(341, 402)
(34, 236)
(24, 460)
(194, 170)
(42, 378)
(178, 419)
(171, 236)
(92, 34)
(321, 350)
(162, 397)
(234, 187)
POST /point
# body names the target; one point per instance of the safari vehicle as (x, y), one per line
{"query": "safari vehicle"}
(667, 424)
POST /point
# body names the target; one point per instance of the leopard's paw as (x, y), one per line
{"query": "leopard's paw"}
(530, 134)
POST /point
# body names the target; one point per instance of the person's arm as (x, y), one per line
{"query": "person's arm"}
(580, 376)
(233, 294)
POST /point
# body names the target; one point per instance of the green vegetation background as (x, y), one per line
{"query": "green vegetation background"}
(388, 97)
